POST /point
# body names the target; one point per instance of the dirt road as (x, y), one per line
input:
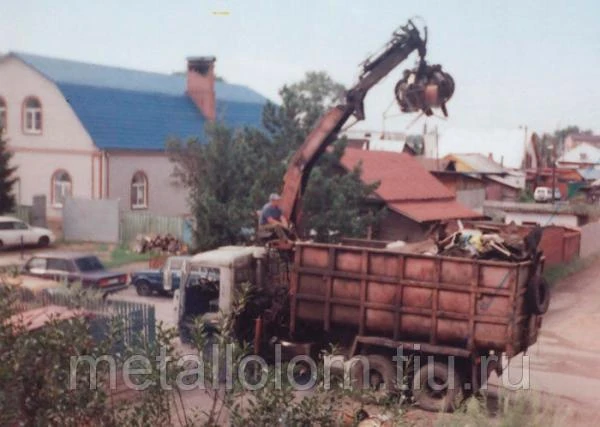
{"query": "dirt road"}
(566, 359)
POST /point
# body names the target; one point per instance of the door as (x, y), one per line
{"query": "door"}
(58, 269)
(167, 279)
(25, 233)
(8, 234)
(172, 275)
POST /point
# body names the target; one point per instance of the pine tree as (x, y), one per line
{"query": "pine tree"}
(7, 178)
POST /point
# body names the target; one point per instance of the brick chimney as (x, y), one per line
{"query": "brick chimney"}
(201, 84)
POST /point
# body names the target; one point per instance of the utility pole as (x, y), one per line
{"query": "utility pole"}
(553, 173)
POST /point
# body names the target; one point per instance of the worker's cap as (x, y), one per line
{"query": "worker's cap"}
(274, 196)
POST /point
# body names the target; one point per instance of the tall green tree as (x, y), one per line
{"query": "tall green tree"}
(231, 174)
(333, 203)
(7, 177)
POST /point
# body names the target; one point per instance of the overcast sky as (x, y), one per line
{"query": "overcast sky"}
(533, 63)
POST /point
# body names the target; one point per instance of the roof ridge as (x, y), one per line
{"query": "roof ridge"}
(93, 64)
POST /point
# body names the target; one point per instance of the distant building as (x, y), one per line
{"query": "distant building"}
(414, 198)
(99, 132)
(500, 183)
(575, 139)
(378, 141)
(584, 155)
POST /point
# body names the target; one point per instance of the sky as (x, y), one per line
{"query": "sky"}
(532, 63)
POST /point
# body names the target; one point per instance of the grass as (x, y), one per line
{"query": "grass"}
(510, 409)
(121, 256)
(558, 272)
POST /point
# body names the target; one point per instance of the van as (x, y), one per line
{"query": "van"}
(544, 194)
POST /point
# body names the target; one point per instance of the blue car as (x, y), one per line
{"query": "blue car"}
(162, 281)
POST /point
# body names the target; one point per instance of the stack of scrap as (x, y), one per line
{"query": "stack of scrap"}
(166, 244)
(503, 243)
(478, 241)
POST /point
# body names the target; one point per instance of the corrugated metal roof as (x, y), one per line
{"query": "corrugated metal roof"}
(476, 163)
(85, 74)
(401, 176)
(140, 110)
(118, 119)
(406, 186)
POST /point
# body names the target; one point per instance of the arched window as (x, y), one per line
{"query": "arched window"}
(2, 114)
(139, 191)
(32, 115)
(62, 187)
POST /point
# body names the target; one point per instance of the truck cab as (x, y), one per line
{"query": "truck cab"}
(162, 280)
(210, 281)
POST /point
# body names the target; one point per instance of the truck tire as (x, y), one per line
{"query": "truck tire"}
(538, 295)
(440, 393)
(143, 288)
(381, 377)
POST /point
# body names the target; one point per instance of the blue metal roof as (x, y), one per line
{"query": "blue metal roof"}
(139, 110)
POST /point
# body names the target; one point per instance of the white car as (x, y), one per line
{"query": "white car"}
(14, 232)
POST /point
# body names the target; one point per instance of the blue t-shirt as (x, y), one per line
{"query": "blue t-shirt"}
(269, 211)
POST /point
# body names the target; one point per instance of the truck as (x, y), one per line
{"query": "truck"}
(455, 314)
(162, 280)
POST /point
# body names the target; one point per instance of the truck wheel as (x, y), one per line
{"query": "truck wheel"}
(538, 295)
(143, 288)
(381, 377)
(438, 391)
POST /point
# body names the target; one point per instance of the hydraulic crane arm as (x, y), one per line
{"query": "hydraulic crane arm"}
(417, 92)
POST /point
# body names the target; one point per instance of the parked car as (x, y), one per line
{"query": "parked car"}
(544, 194)
(14, 232)
(75, 267)
(163, 280)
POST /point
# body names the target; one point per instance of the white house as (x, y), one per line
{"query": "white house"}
(99, 132)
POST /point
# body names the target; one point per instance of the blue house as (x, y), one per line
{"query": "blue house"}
(99, 132)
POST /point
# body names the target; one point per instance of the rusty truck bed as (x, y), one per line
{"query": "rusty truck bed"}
(471, 306)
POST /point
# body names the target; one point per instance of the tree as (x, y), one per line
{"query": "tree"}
(230, 177)
(333, 202)
(223, 178)
(7, 178)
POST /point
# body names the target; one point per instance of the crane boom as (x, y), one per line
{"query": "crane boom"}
(404, 42)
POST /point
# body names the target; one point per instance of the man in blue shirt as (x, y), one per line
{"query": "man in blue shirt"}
(271, 213)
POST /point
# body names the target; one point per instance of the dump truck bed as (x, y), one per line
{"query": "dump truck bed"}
(471, 306)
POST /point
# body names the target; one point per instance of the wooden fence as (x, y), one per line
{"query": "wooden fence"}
(135, 223)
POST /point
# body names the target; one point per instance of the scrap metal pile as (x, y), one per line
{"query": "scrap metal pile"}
(503, 243)
(157, 243)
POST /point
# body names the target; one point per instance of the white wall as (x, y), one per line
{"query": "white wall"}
(163, 197)
(63, 144)
(541, 218)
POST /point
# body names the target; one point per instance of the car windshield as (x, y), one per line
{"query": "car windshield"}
(89, 263)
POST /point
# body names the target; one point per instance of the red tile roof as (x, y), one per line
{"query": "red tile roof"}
(406, 186)
(402, 178)
(434, 210)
